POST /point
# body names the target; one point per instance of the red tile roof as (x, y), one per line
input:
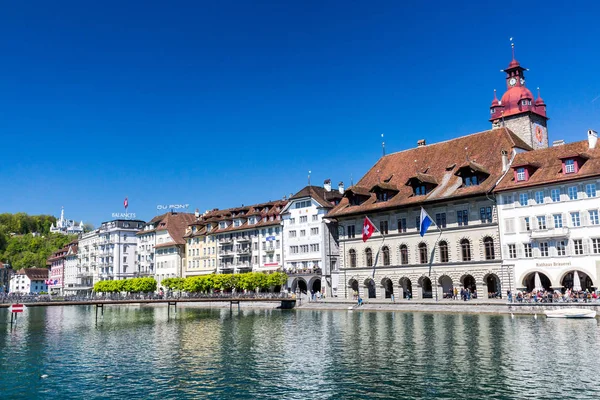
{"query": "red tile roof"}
(548, 163)
(433, 163)
(325, 198)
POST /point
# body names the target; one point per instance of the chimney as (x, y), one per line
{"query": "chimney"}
(421, 143)
(558, 142)
(504, 160)
(341, 187)
(197, 213)
(327, 185)
(592, 138)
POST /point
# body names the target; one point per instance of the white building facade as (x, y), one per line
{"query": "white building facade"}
(109, 252)
(29, 281)
(549, 217)
(311, 244)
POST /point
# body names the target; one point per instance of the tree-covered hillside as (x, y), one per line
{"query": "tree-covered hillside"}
(18, 245)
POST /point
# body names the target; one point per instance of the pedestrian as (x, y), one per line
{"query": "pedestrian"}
(393, 299)
(360, 301)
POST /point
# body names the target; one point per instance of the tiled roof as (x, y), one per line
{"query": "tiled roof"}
(175, 224)
(323, 197)
(433, 163)
(548, 163)
(35, 274)
(275, 208)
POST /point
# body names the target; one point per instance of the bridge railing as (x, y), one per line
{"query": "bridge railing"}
(20, 298)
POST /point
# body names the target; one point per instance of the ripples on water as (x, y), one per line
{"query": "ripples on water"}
(134, 352)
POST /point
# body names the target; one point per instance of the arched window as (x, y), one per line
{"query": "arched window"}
(465, 247)
(352, 253)
(386, 255)
(422, 253)
(403, 254)
(444, 252)
(488, 246)
(369, 256)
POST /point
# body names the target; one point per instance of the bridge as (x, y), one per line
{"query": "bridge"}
(286, 302)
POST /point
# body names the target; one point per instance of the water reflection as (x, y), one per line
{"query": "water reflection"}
(137, 352)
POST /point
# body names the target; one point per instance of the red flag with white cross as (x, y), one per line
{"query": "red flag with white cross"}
(368, 229)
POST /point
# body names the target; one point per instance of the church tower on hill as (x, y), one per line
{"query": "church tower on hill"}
(518, 111)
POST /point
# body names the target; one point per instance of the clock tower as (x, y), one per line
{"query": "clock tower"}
(518, 111)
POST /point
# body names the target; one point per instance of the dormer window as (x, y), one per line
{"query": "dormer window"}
(569, 166)
(472, 173)
(384, 191)
(521, 174)
(422, 183)
(526, 102)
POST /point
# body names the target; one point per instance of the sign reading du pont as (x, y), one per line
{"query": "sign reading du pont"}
(172, 206)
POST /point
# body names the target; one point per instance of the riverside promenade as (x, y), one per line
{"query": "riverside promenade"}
(475, 306)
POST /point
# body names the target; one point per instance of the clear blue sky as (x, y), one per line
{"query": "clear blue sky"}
(221, 103)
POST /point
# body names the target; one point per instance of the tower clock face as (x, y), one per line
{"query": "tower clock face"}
(512, 82)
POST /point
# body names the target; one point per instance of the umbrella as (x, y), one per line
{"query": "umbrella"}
(538, 283)
(576, 282)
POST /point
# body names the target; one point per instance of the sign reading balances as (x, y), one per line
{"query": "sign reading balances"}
(172, 206)
(126, 214)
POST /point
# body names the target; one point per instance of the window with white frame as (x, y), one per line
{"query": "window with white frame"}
(292, 234)
(593, 217)
(541, 220)
(572, 192)
(555, 195)
(558, 222)
(596, 245)
(315, 218)
(302, 232)
(314, 231)
(569, 166)
(578, 246)
(521, 174)
(544, 249)
(303, 219)
(575, 219)
(527, 250)
(561, 247)
(523, 199)
(512, 251)
(590, 190)
(539, 197)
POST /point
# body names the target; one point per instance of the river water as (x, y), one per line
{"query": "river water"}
(139, 353)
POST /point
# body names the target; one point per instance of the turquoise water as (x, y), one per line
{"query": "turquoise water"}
(136, 352)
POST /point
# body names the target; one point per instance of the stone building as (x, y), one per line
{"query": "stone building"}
(201, 249)
(452, 181)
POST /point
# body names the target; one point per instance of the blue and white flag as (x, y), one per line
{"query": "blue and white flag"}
(425, 222)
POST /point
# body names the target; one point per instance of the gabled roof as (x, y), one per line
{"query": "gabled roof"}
(325, 198)
(483, 148)
(548, 163)
(34, 274)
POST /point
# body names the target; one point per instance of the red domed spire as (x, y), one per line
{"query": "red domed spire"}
(514, 63)
(539, 101)
(495, 102)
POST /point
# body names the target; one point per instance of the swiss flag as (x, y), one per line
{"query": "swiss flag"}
(126, 203)
(368, 229)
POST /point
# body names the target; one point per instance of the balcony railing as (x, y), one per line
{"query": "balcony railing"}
(243, 239)
(550, 233)
(224, 241)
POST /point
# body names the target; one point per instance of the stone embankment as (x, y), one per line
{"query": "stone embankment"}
(444, 306)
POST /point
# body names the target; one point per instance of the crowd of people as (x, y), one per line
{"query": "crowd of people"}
(546, 296)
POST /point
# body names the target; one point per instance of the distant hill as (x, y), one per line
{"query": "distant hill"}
(25, 240)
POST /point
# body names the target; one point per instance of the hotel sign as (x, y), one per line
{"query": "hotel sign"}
(125, 215)
(172, 206)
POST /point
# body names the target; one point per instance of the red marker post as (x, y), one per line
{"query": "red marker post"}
(15, 309)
